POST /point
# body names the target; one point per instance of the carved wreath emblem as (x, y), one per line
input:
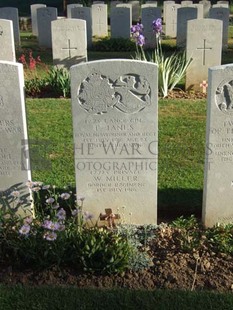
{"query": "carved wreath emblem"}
(130, 93)
(224, 97)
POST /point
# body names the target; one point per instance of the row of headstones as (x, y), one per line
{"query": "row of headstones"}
(116, 138)
(96, 17)
(204, 46)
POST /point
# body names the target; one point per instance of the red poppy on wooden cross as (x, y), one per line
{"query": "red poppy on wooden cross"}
(204, 86)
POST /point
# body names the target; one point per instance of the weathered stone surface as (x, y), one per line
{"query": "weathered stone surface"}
(114, 106)
(7, 50)
(34, 8)
(218, 184)
(11, 13)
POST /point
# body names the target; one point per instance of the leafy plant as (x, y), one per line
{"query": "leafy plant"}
(58, 80)
(113, 45)
(60, 234)
(171, 69)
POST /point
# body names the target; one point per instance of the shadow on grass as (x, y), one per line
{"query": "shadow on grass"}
(175, 202)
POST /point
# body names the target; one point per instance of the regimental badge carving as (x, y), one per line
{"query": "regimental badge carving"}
(224, 97)
(1, 31)
(130, 93)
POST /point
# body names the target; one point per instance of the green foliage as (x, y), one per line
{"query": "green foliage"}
(58, 80)
(171, 69)
(138, 238)
(102, 251)
(221, 238)
(58, 236)
(35, 87)
(113, 45)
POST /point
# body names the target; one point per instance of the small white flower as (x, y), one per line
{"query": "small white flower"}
(15, 194)
(65, 196)
(50, 200)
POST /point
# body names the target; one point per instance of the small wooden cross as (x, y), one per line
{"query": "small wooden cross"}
(204, 86)
(110, 217)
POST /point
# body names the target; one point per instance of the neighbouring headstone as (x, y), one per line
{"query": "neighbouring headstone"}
(204, 46)
(149, 14)
(34, 8)
(186, 3)
(223, 15)
(70, 7)
(7, 50)
(126, 5)
(14, 150)
(115, 125)
(206, 7)
(69, 42)
(165, 5)
(220, 5)
(44, 18)
(121, 21)
(218, 181)
(113, 4)
(184, 14)
(99, 20)
(135, 10)
(85, 14)
(200, 9)
(171, 20)
(12, 14)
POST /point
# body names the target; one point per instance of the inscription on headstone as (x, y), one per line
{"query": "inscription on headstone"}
(114, 107)
(14, 152)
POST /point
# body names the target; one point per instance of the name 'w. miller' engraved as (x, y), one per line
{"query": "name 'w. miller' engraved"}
(130, 93)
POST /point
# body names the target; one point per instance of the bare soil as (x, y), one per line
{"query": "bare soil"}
(172, 268)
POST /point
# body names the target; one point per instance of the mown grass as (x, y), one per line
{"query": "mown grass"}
(181, 147)
(70, 298)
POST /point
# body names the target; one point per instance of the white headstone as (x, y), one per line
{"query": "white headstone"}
(12, 14)
(224, 4)
(206, 7)
(121, 21)
(218, 182)
(149, 14)
(186, 3)
(34, 8)
(7, 50)
(223, 15)
(99, 20)
(114, 107)
(204, 46)
(85, 14)
(69, 41)
(72, 6)
(44, 18)
(165, 5)
(135, 9)
(14, 150)
(184, 14)
(171, 20)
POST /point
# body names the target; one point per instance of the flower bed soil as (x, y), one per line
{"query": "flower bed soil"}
(172, 268)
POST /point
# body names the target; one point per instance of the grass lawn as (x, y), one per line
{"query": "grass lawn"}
(181, 148)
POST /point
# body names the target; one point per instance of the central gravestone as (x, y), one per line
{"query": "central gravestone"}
(114, 106)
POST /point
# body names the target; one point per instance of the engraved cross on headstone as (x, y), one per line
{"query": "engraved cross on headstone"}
(69, 48)
(204, 48)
